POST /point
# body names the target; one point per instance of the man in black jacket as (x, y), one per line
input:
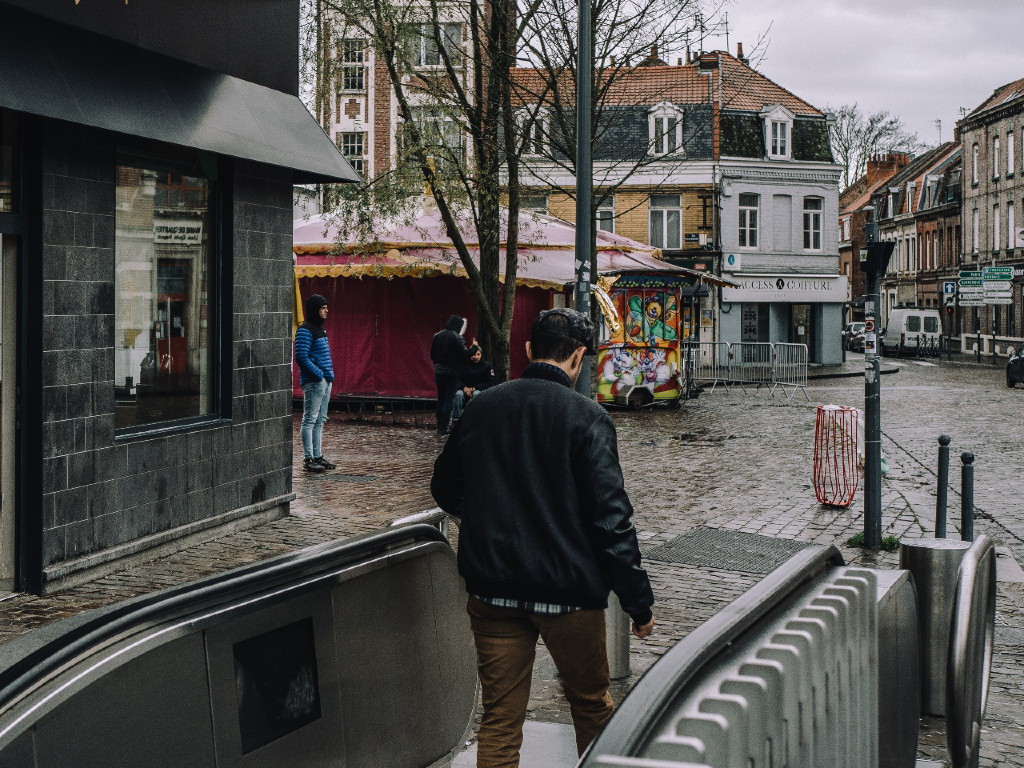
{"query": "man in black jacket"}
(449, 353)
(532, 470)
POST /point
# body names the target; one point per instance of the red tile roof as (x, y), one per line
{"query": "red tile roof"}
(742, 87)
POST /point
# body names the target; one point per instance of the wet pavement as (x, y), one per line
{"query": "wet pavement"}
(729, 460)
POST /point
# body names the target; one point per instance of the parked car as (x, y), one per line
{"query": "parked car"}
(910, 331)
(852, 332)
(1015, 367)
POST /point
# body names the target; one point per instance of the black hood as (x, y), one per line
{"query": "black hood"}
(455, 323)
(313, 305)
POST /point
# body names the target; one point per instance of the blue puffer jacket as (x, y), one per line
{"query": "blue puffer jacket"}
(312, 352)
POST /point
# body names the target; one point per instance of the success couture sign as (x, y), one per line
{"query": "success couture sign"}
(798, 289)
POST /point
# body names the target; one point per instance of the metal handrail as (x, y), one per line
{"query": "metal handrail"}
(969, 666)
(30, 659)
(434, 517)
(637, 716)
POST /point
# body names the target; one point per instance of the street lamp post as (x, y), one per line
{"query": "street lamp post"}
(875, 260)
(584, 171)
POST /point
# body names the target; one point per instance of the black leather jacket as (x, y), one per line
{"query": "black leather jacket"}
(533, 471)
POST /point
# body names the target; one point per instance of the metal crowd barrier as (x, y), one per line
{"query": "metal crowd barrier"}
(707, 362)
(817, 665)
(752, 363)
(790, 369)
(743, 364)
(355, 652)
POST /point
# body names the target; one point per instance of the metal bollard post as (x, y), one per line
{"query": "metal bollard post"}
(967, 497)
(941, 491)
(617, 623)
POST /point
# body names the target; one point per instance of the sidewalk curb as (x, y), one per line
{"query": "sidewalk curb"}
(847, 374)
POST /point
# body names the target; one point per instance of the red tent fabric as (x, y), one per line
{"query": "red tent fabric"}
(389, 298)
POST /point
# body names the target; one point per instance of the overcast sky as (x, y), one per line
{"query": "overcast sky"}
(919, 59)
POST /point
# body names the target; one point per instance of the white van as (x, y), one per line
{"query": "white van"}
(911, 331)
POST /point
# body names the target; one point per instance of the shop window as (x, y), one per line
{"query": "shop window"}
(165, 317)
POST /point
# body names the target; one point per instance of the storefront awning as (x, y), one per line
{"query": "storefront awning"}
(56, 71)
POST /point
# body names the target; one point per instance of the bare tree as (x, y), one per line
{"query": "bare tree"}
(857, 137)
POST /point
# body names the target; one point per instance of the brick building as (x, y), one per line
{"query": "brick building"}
(145, 276)
(992, 142)
(852, 218)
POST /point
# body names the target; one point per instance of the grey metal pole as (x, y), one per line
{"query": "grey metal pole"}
(872, 423)
(584, 172)
(941, 491)
(967, 496)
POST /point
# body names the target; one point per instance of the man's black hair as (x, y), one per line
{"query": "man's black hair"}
(550, 344)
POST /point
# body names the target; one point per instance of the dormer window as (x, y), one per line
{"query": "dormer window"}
(666, 129)
(778, 132)
(534, 126)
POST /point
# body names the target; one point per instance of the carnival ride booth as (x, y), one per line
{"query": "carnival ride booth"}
(388, 298)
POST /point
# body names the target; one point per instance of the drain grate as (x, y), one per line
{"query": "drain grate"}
(727, 550)
(350, 478)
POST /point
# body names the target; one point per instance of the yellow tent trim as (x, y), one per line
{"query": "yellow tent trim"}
(404, 270)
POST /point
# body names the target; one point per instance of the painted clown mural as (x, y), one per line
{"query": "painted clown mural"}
(643, 349)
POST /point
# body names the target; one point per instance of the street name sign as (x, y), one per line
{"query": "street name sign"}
(997, 273)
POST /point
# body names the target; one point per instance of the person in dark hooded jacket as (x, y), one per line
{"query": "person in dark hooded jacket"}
(450, 355)
(316, 373)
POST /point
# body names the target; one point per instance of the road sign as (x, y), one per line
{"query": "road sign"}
(997, 285)
(948, 287)
(998, 300)
(970, 274)
(965, 281)
(997, 273)
(971, 290)
(971, 302)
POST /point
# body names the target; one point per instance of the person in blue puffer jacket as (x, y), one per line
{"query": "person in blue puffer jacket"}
(313, 356)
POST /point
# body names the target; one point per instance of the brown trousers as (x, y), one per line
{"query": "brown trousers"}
(506, 642)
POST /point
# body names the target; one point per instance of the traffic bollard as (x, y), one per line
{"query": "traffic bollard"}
(617, 624)
(967, 496)
(941, 495)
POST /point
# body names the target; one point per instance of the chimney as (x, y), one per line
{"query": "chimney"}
(739, 53)
(613, 61)
(882, 167)
(679, 62)
(654, 50)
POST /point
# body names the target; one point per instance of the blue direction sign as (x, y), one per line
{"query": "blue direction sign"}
(948, 287)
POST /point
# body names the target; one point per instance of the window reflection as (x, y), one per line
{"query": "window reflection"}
(162, 369)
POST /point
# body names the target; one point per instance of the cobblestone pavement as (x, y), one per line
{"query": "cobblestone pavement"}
(741, 462)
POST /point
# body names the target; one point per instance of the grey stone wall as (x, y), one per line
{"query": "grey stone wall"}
(101, 493)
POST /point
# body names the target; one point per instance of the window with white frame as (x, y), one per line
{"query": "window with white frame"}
(974, 164)
(534, 204)
(778, 131)
(440, 134)
(911, 197)
(748, 220)
(353, 147)
(812, 223)
(1011, 226)
(666, 129)
(846, 230)
(995, 227)
(353, 66)
(995, 158)
(666, 220)
(606, 214)
(1009, 153)
(424, 51)
(534, 125)
(976, 231)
